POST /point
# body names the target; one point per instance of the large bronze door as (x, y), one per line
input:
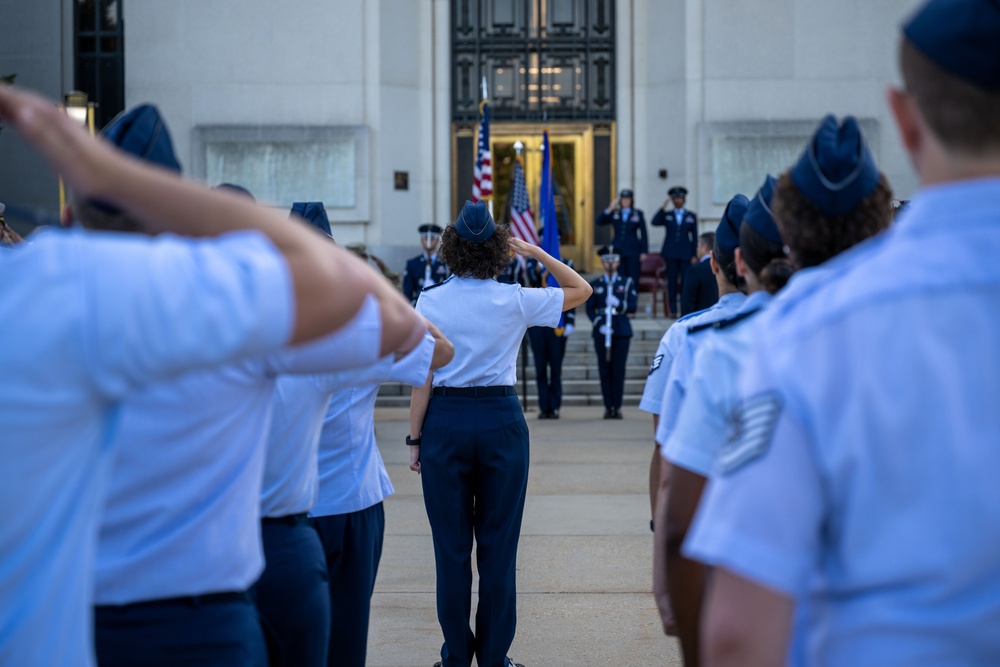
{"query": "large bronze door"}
(572, 167)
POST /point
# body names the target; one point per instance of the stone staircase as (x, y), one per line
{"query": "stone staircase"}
(580, 380)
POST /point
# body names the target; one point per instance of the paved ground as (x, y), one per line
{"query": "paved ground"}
(584, 559)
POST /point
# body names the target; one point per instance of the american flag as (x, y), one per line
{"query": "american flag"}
(482, 177)
(522, 222)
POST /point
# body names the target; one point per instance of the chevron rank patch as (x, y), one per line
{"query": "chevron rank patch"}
(657, 360)
(753, 427)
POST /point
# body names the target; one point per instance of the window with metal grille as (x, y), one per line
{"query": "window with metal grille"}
(542, 59)
(99, 54)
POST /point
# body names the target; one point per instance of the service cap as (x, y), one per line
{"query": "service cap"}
(960, 36)
(727, 234)
(836, 171)
(475, 223)
(758, 214)
(314, 213)
(678, 191)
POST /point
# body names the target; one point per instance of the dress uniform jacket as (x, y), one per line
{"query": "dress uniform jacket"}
(415, 271)
(630, 231)
(679, 241)
(700, 289)
(625, 290)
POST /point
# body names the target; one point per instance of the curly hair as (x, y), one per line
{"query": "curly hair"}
(813, 236)
(765, 258)
(476, 260)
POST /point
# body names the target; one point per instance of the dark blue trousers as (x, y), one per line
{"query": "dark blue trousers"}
(630, 267)
(612, 374)
(292, 595)
(474, 463)
(196, 632)
(353, 546)
(676, 268)
(548, 349)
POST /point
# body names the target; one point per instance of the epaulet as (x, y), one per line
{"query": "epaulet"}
(722, 324)
(428, 289)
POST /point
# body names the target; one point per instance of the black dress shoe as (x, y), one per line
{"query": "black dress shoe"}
(543, 415)
(616, 414)
(609, 413)
(554, 414)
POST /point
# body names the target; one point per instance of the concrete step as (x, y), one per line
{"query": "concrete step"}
(403, 401)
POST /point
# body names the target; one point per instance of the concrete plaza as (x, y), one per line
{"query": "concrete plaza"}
(584, 562)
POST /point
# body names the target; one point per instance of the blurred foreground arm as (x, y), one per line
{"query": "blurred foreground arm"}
(329, 283)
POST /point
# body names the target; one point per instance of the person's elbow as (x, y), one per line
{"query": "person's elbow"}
(314, 280)
(402, 326)
(576, 296)
(444, 352)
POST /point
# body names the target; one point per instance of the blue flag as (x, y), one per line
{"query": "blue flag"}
(550, 224)
(547, 208)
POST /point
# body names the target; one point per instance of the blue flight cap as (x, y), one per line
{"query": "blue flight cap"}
(727, 234)
(236, 190)
(836, 171)
(960, 36)
(475, 223)
(141, 132)
(314, 213)
(759, 215)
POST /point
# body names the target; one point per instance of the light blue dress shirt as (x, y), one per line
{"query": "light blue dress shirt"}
(704, 420)
(291, 472)
(87, 319)
(352, 476)
(670, 344)
(182, 513)
(868, 453)
(486, 320)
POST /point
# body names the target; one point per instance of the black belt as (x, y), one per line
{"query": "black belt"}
(186, 601)
(289, 520)
(475, 392)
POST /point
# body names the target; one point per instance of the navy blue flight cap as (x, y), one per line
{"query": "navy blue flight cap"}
(236, 189)
(626, 193)
(759, 216)
(607, 250)
(960, 36)
(141, 132)
(429, 229)
(475, 223)
(677, 191)
(727, 234)
(837, 170)
(314, 213)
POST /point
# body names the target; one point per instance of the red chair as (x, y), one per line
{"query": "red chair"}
(652, 279)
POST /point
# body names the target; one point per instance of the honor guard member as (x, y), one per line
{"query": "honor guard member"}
(614, 297)
(723, 263)
(353, 483)
(680, 241)
(630, 233)
(425, 269)
(513, 273)
(704, 425)
(548, 348)
(865, 470)
(109, 313)
(700, 289)
(467, 432)
(179, 541)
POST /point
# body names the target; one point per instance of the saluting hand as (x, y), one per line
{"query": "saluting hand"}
(524, 248)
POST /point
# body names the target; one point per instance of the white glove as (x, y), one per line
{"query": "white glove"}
(604, 330)
(568, 329)
(614, 301)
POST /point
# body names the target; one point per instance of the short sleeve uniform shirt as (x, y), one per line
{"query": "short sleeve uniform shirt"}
(869, 439)
(89, 317)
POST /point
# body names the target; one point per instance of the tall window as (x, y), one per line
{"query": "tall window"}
(542, 59)
(99, 52)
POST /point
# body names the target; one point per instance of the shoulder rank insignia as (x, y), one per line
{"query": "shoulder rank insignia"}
(657, 360)
(722, 324)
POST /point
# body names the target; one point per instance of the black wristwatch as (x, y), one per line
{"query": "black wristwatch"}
(412, 442)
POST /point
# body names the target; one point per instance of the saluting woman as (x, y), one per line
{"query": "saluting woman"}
(467, 431)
